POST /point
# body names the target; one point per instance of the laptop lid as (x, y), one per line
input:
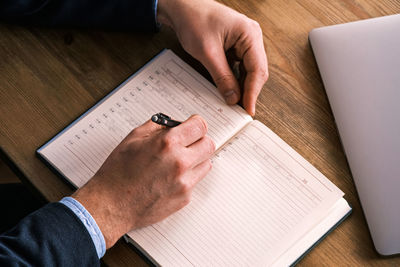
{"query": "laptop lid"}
(359, 64)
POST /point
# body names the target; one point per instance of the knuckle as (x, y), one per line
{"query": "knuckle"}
(134, 132)
(168, 142)
(242, 17)
(264, 74)
(128, 148)
(224, 78)
(202, 124)
(254, 25)
(246, 21)
(209, 164)
(209, 51)
(202, 45)
(210, 144)
(181, 166)
(183, 188)
(261, 73)
(186, 201)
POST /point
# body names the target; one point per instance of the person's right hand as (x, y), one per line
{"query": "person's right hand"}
(147, 177)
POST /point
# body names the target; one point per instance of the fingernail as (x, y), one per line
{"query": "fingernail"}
(252, 111)
(230, 97)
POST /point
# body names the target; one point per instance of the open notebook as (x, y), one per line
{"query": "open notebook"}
(261, 204)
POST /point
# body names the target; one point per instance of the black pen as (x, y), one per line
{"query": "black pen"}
(165, 120)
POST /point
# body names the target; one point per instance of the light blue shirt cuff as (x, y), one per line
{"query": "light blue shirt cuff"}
(88, 222)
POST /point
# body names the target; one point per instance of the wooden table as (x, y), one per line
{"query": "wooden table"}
(50, 76)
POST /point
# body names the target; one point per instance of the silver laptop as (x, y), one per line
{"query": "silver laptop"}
(359, 64)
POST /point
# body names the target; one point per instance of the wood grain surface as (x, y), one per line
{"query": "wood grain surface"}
(48, 77)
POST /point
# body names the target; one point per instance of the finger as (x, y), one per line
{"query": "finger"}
(201, 150)
(196, 174)
(189, 131)
(256, 66)
(217, 65)
(145, 129)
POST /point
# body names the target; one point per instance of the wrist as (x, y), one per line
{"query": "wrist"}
(104, 211)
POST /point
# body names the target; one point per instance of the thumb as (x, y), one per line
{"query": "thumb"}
(217, 65)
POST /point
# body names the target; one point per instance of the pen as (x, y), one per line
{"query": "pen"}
(165, 120)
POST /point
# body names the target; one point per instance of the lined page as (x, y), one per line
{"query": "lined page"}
(167, 85)
(258, 200)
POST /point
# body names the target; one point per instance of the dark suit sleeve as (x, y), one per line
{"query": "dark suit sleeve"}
(104, 14)
(51, 236)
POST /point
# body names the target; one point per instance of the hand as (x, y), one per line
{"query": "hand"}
(206, 30)
(147, 177)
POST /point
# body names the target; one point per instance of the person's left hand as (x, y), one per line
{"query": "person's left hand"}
(207, 30)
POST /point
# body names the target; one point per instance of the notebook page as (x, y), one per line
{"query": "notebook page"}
(336, 214)
(259, 198)
(167, 85)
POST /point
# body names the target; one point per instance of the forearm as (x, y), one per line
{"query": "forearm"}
(104, 14)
